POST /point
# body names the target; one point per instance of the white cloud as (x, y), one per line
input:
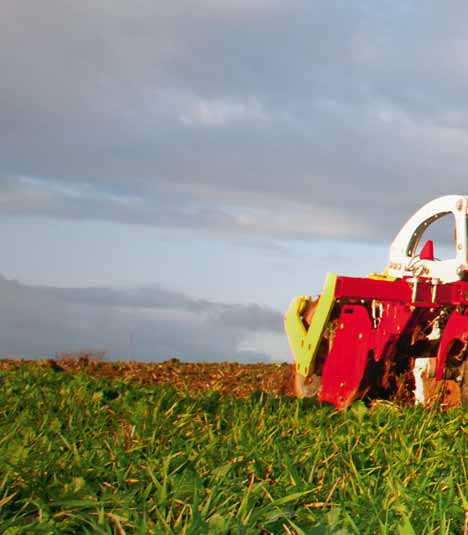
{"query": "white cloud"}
(273, 345)
(221, 112)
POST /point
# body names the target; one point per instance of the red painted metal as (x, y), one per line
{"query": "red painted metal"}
(395, 317)
(427, 251)
(368, 289)
(357, 337)
(455, 329)
(373, 315)
(346, 361)
(363, 288)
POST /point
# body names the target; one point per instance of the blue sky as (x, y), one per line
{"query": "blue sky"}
(175, 174)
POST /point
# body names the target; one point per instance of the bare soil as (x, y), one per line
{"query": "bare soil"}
(226, 378)
(236, 379)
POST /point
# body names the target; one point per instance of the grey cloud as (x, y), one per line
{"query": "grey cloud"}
(203, 115)
(250, 214)
(143, 323)
(251, 317)
(151, 297)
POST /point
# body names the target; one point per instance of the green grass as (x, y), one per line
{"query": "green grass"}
(82, 455)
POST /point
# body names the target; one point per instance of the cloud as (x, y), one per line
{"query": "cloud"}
(219, 112)
(252, 118)
(244, 213)
(150, 323)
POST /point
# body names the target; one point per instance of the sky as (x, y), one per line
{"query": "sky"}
(172, 174)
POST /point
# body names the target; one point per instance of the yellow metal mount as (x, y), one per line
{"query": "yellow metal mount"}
(381, 277)
(304, 343)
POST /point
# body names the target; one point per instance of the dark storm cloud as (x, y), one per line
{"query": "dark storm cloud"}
(264, 118)
(143, 323)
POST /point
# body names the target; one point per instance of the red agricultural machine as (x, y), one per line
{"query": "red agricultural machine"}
(367, 336)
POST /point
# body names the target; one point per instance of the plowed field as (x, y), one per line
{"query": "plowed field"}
(240, 380)
(226, 378)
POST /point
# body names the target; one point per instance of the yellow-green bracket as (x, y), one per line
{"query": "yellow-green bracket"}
(304, 343)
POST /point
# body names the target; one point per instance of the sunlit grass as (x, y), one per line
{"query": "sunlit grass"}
(83, 455)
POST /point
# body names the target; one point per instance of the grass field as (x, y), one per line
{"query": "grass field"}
(81, 454)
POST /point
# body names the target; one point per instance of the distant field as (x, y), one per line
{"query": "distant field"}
(226, 378)
(85, 447)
